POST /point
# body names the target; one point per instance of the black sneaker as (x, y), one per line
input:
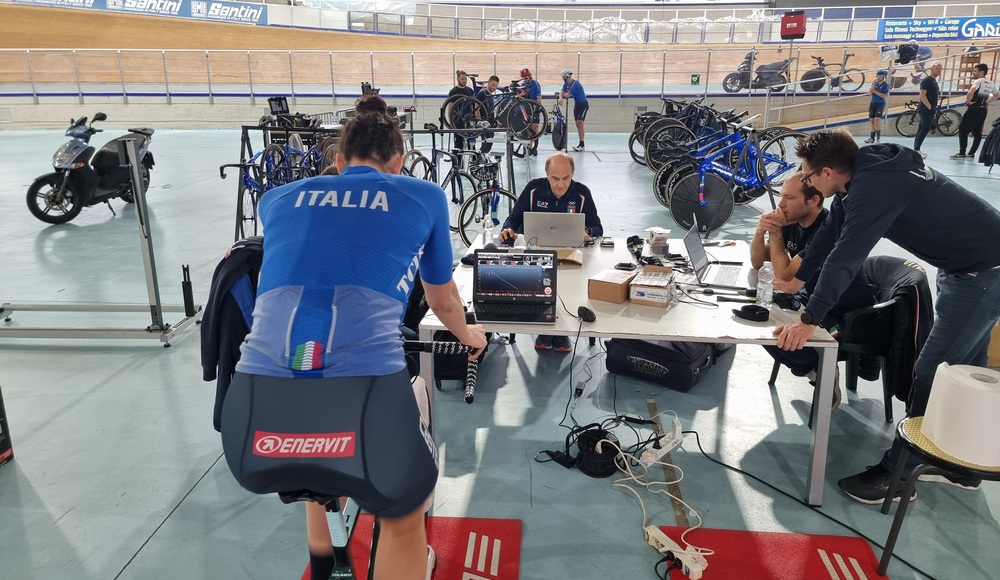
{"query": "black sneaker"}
(871, 486)
(543, 342)
(960, 156)
(936, 475)
(562, 344)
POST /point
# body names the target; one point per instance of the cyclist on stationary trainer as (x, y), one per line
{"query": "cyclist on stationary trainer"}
(321, 399)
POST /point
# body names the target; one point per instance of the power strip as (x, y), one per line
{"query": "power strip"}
(667, 443)
(693, 565)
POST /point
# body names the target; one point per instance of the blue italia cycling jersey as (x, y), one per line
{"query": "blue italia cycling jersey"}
(340, 256)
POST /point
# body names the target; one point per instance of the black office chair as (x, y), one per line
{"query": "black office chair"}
(892, 331)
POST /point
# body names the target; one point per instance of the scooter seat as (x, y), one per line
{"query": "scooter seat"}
(142, 131)
(773, 67)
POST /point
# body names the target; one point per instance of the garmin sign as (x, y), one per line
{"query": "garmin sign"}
(228, 11)
(218, 10)
(903, 29)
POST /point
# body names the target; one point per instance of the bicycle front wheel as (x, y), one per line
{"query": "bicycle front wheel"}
(457, 186)
(948, 121)
(908, 123)
(479, 208)
(777, 160)
(712, 210)
(559, 132)
(852, 80)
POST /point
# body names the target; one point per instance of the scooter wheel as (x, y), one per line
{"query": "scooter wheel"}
(733, 83)
(44, 205)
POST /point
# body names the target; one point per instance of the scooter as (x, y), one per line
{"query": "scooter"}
(773, 76)
(80, 181)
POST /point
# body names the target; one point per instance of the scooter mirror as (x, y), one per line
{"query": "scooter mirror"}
(100, 117)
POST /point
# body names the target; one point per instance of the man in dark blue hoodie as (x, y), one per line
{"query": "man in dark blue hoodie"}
(885, 190)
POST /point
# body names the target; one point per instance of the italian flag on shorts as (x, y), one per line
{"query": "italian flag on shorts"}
(308, 356)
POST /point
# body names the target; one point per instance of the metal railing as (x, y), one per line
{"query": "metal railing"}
(208, 75)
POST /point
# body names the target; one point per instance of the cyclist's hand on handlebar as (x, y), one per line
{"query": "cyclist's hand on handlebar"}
(476, 338)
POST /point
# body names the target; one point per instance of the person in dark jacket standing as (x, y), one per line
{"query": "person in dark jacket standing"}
(556, 192)
(885, 190)
(461, 88)
(981, 93)
(929, 92)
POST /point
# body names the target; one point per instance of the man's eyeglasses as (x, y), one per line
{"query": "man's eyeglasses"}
(807, 178)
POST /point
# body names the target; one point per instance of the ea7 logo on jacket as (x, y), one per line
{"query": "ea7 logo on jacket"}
(303, 445)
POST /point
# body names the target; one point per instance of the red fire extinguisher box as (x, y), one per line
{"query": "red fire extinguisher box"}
(793, 25)
(6, 448)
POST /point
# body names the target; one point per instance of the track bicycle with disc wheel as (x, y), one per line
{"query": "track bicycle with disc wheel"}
(848, 79)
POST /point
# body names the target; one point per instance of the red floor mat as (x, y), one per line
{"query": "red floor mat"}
(467, 548)
(781, 556)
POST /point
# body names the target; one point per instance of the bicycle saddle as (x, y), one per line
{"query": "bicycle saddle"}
(306, 495)
(430, 127)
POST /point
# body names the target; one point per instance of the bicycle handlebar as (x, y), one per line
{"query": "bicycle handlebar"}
(222, 168)
(744, 123)
(437, 347)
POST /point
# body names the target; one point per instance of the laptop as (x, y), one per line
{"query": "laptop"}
(710, 272)
(554, 230)
(515, 286)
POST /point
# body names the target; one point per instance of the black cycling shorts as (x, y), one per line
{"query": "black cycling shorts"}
(876, 110)
(580, 110)
(360, 437)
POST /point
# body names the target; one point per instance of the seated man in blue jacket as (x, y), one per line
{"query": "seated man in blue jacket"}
(556, 192)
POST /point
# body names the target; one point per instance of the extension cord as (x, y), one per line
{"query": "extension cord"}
(667, 443)
(692, 565)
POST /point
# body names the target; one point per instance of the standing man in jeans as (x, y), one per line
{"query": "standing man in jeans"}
(981, 93)
(885, 190)
(572, 88)
(929, 92)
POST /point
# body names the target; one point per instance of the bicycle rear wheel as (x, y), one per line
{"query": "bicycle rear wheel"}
(636, 148)
(273, 167)
(421, 168)
(908, 123)
(246, 207)
(813, 80)
(948, 121)
(465, 113)
(712, 213)
(520, 117)
(665, 180)
(666, 141)
(478, 208)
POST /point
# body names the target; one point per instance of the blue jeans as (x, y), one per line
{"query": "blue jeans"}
(926, 119)
(968, 305)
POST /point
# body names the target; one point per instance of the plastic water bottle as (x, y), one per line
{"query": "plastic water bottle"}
(765, 285)
(487, 230)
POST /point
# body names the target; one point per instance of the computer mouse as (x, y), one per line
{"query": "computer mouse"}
(586, 314)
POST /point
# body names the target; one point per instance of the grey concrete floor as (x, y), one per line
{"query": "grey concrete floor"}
(118, 473)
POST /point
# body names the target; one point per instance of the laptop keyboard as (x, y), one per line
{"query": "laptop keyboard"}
(727, 275)
(509, 308)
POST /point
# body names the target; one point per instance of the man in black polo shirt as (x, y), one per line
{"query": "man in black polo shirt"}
(782, 237)
(929, 92)
(556, 192)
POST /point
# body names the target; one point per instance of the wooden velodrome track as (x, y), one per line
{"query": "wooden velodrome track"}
(40, 28)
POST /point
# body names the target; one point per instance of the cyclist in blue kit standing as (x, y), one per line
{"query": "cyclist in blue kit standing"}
(340, 257)
(573, 89)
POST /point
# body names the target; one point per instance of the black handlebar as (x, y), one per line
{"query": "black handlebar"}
(222, 168)
(472, 371)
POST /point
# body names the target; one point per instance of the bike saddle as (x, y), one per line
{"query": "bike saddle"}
(306, 495)
(430, 127)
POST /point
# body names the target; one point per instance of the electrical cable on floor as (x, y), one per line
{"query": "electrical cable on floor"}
(799, 501)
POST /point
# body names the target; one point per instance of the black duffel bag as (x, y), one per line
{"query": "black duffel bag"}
(675, 365)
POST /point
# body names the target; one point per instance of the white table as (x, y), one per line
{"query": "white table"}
(680, 321)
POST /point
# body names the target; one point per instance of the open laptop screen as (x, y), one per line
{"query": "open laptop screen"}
(527, 276)
(696, 251)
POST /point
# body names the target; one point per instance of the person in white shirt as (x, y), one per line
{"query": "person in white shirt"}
(982, 92)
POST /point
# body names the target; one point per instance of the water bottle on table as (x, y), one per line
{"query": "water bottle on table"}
(765, 285)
